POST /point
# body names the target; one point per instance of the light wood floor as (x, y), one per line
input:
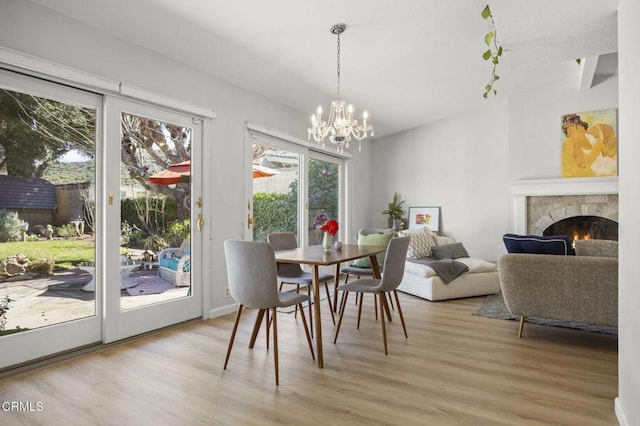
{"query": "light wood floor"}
(454, 369)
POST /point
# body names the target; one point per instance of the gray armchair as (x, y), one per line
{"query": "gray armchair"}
(582, 288)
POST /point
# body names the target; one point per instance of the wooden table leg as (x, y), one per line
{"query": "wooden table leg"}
(316, 308)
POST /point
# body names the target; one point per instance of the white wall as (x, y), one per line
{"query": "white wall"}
(627, 407)
(37, 31)
(459, 164)
(535, 135)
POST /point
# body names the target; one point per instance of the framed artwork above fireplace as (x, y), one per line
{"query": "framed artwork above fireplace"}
(589, 144)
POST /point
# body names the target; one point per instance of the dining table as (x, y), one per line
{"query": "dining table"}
(315, 257)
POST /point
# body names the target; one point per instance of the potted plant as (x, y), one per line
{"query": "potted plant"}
(394, 211)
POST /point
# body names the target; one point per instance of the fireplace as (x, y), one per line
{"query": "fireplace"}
(587, 207)
(584, 228)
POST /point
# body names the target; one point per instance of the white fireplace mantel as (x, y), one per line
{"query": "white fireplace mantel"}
(521, 189)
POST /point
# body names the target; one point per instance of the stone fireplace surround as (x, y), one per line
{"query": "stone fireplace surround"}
(540, 202)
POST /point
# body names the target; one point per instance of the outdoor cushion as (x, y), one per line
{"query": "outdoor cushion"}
(170, 262)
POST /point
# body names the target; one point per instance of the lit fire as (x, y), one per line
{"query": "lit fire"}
(577, 236)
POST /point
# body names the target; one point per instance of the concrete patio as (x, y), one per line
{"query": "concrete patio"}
(60, 298)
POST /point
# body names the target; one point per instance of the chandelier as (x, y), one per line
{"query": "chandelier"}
(340, 126)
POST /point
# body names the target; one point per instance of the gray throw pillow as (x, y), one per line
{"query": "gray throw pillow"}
(449, 251)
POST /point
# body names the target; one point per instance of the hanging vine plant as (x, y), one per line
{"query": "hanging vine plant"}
(493, 52)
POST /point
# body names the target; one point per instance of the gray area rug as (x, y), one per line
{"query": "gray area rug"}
(493, 307)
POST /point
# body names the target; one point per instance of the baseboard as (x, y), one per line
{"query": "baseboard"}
(224, 310)
(622, 418)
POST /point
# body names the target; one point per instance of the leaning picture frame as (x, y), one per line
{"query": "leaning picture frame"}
(419, 217)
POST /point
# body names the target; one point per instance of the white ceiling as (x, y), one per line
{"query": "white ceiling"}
(408, 62)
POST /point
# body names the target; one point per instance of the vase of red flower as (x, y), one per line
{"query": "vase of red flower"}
(327, 241)
(330, 228)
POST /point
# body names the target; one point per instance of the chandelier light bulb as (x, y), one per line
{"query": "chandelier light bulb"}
(319, 110)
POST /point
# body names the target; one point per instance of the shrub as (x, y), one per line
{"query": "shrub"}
(32, 238)
(9, 226)
(129, 213)
(65, 231)
(155, 243)
(42, 266)
(4, 307)
(273, 213)
(126, 230)
(177, 232)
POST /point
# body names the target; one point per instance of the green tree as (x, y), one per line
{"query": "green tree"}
(323, 188)
(35, 131)
(148, 146)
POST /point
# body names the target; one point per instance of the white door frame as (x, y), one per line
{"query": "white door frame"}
(120, 324)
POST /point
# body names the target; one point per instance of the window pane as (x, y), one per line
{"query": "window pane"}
(155, 178)
(324, 180)
(47, 211)
(275, 191)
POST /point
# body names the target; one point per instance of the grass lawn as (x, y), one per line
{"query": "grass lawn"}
(67, 253)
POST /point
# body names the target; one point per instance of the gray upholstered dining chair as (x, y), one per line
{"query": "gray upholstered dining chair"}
(289, 273)
(361, 267)
(391, 278)
(253, 282)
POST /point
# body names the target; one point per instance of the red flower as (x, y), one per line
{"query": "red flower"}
(331, 226)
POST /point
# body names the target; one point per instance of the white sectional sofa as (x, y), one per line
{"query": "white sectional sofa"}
(422, 281)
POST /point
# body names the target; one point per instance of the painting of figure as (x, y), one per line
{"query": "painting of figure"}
(590, 144)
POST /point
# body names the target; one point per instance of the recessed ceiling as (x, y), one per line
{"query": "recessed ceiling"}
(408, 62)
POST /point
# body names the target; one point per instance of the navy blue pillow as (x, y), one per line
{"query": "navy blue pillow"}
(536, 244)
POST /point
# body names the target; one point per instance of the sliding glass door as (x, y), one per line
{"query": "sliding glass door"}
(49, 218)
(153, 201)
(293, 189)
(100, 218)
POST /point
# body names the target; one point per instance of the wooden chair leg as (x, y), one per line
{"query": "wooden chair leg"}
(404, 327)
(256, 328)
(310, 312)
(343, 305)
(359, 295)
(333, 318)
(375, 304)
(383, 302)
(386, 307)
(391, 302)
(306, 330)
(341, 299)
(233, 336)
(295, 313)
(275, 345)
(521, 327)
(267, 325)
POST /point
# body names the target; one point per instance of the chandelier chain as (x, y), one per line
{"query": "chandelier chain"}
(338, 66)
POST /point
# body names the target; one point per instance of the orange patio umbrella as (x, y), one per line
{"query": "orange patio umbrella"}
(181, 173)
